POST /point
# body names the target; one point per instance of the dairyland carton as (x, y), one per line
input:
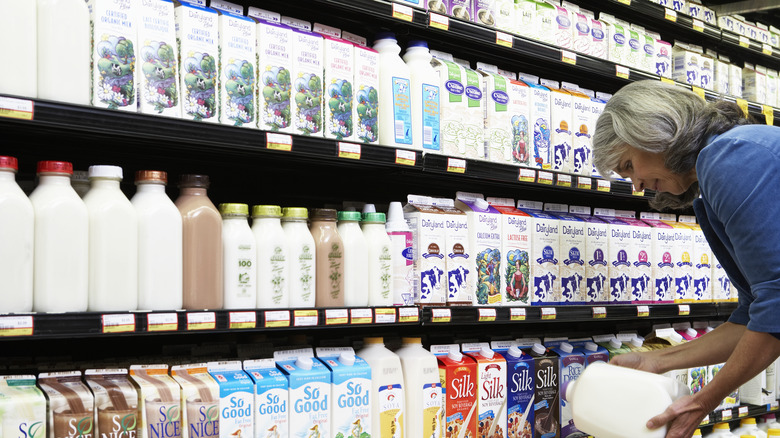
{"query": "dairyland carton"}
(686, 64)
(581, 128)
(663, 268)
(307, 70)
(338, 88)
(491, 389)
(663, 58)
(350, 402)
(619, 250)
(721, 80)
(458, 378)
(595, 256)
(366, 86)
(272, 398)
(701, 259)
(641, 272)
(428, 239)
(572, 267)
(199, 400)
(310, 386)
(461, 286)
(197, 35)
(721, 284)
(159, 401)
(561, 138)
(596, 108)
(453, 104)
(158, 75)
(484, 225)
(236, 399)
(516, 229)
(274, 84)
(707, 76)
(540, 120)
(681, 257)
(545, 252)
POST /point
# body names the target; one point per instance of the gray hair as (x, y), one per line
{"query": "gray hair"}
(662, 118)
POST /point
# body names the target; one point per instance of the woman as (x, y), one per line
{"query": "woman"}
(667, 139)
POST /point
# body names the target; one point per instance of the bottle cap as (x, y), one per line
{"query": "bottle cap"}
(347, 358)
(374, 217)
(324, 214)
(773, 432)
(566, 347)
(395, 213)
(747, 421)
(374, 340)
(417, 43)
(538, 348)
(486, 352)
(349, 216)
(151, 176)
(233, 209)
(636, 342)
(99, 171)
(192, 180)
(591, 346)
(385, 36)
(368, 208)
(721, 426)
(455, 356)
(295, 213)
(697, 432)
(304, 362)
(266, 211)
(410, 340)
(690, 331)
(615, 343)
(514, 351)
(9, 163)
(62, 167)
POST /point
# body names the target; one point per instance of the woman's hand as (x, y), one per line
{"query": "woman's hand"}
(682, 417)
(644, 361)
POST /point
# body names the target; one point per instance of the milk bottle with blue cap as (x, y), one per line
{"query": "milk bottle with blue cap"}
(426, 98)
(395, 94)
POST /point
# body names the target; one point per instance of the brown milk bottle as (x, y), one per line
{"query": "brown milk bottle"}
(329, 284)
(202, 244)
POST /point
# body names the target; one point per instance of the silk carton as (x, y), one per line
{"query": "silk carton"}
(516, 233)
(520, 388)
(491, 389)
(458, 377)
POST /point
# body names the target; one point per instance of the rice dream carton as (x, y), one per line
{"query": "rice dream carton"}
(701, 259)
(307, 70)
(22, 407)
(197, 35)
(458, 378)
(199, 400)
(350, 402)
(571, 364)
(641, 272)
(428, 239)
(596, 255)
(158, 54)
(572, 241)
(338, 88)
(491, 389)
(236, 399)
(663, 268)
(619, 250)
(310, 386)
(681, 257)
(461, 286)
(453, 104)
(272, 398)
(541, 108)
(366, 89)
(484, 228)
(516, 229)
(520, 388)
(274, 77)
(545, 252)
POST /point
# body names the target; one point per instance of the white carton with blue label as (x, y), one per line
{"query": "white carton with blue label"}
(595, 256)
(309, 381)
(572, 265)
(461, 285)
(560, 127)
(520, 387)
(545, 253)
(619, 250)
(484, 227)
(641, 256)
(540, 120)
(428, 240)
(350, 405)
(571, 364)
(236, 399)
(272, 398)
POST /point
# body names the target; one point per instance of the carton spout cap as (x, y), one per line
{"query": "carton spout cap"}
(514, 351)
(304, 363)
(347, 358)
(395, 213)
(456, 356)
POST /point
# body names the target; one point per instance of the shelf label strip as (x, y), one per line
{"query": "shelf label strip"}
(305, 318)
(603, 185)
(16, 326)
(384, 315)
(456, 165)
(162, 322)
(242, 320)
(277, 318)
(118, 323)
(405, 157)
(441, 315)
(583, 182)
(408, 314)
(487, 314)
(439, 21)
(278, 142)
(403, 12)
(568, 57)
(361, 316)
(21, 109)
(517, 314)
(336, 316)
(201, 321)
(684, 309)
(670, 14)
(622, 72)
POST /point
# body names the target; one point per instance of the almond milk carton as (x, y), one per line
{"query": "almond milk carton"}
(520, 113)
(453, 104)
(484, 225)
(159, 401)
(307, 69)
(199, 399)
(116, 402)
(641, 272)
(681, 257)
(22, 407)
(619, 250)
(338, 87)
(428, 239)
(310, 387)
(581, 128)
(272, 398)
(236, 399)
(461, 283)
(516, 230)
(596, 255)
(545, 253)
(561, 138)
(197, 35)
(541, 108)
(71, 406)
(491, 389)
(458, 377)
(274, 74)
(498, 119)
(572, 241)
(158, 70)
(350, 405)
(663, 268)
(701, 259)
(366, 89)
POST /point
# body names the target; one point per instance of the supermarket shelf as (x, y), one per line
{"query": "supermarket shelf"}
(739, 412)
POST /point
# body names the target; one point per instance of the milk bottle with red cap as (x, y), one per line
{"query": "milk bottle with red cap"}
(16, 233)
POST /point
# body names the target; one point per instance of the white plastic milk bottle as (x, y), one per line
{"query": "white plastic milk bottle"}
(18, 36)
(63, 51)
(239, 258)
(426, 107)
(273, 255)
(387, 384)
(395, 99)
(423, 390)
(301, 256)
(60, 253)
(356, 263)
(721, 430)
(113, 243)
(609, 401)
(159, 243)
(402, 255)
(748, 426)
(380, 264)
(16, 233)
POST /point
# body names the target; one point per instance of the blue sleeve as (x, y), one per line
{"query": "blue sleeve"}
(738, 174)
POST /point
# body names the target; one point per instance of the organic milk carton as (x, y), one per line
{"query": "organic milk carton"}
(686, 64)
(366, 89)
(561, 132)
(641, 271)
(428, 238)
(484, 227)
(619, 250)
(562, 34)
(572, 267)
(458, 377)
(337, 81)
(453, 104)
(461, 286)
(474, 118)
(635, 54)
(580, 162)
(272, 398)
(707, 76)
(22, 407)
(681, 257)
(158, 54)
(617, 39)
(70, 405)
(516, 231)
(236, 399)
(663, 58)
(581, 35)
(159, 402)
(310, 385)
(199, 400)
(599, 44)
(274, 77)
(491, 389)
(540, 119)
(701, 259)
(116, 403)
(350, 401)
(754, 83)
(497, 115)
(571, 363)
(307, 71)
(520, 388)
(546, 384)
(663, 268)
(114, 49)
(545, 251)
(596, 255)
(197, 35)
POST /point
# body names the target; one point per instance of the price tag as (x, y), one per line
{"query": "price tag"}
(487, 315)
(517, 314)
(685, 309)
(349, 150)
(769, 113)
(642, 311)
(361, 316)
(276, 318)
(403, 12)
(744, 41)
(439, 21)
(773, 406)
(599, 312)
(603, 185)
(583, 182)
(201, 321)
(725, 415)
(278, 142)
(698, 25)
(670, 14)
(637, 193)
(503, 39)
(456, 165)
(705, 420)
(408, 314)
(548, 313)
(699, 91)
(568, 57)
(16, 326)
(743, 105)
(16, 109)
(625, 2)
(441, 315)
(162, 322)
(667, 80)
(742, 411)
(305, 318)
(526, 175)
(242, 320)
(564, 180)
(384, 316)
(118, 323)
(766, 49)
(622, 72)
(544, 177)
(336, 316)
(405, 157)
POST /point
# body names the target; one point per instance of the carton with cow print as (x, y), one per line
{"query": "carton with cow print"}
(545, 253)
(516, 232)
(721, 284)
(572, 264)
(701, 259)
(619, 249)
(640, 274)
(596, 255)
(428, 241)
(661, 260)
(484, 227)
(681, 258)
(560, 127)
(461, 286)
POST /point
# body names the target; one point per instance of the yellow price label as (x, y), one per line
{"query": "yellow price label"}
(667, 80)
(698, 90)
(769, 113)
(743, 105)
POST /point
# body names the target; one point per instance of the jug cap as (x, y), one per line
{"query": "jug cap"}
(349, 216)
(151, 176)
(55, 167)
(9, 163)
(374, 340)
(721, 426)
(486, 352)
(538, 349)
(101, 171)
(385, 36)
(411, 340)
(193, 180)
(229, 209)
(417, 43)
(636, 342)
(266, 211)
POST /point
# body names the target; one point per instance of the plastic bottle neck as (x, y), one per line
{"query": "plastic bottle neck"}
(265, 219)
(7, 176)
(150, 188)
(193, 191)
(387, 46)
(54, 179)
(104, 183)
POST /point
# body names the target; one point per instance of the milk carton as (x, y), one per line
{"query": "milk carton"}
(199, 400)
(498, 119)
(754, 83)
(484, 226)
(681, 257)
(159, 401)
(516, 230)
(593, 352)
(701, 259)
(520, 113)
(158, 73)
(663, 58)
(596, 108)
(461, 9)
(599, 44)
(641, 271)
(70, 405)
(474, 119)
(686, 64)
(721, 284)
(274, 85)
(731, 400)
(272, 398)
(663, 268)
(540, 119)
(197, 33)
(617, 39)
(491, 389)
(307, 70)
(236, 399)
(338, 83)
(114, 49)
(484, 12)
(635, 54)
(562, 24)
(771, 87)
(571, 363)
(582, 37)
(707, 76)
(453, 104)
(350, 405)
(545, 22)
(546, 396)
(596, 255)
(520, 388)
(572, 267)
(22, 407)
(721, 79)
(619, 250)
(649, 47)
(525, 15)
(735, 80)
(561, 132)
(545, 250)
(116, 402)
(428, 238)
(506, 15)
(366, 89)
(461, 283)
(458, 377)
(310, 385)
(581, 134)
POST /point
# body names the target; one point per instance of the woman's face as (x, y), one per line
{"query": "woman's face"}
(648, 171)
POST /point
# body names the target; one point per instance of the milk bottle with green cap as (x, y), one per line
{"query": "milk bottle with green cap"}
(239, 258)
(356, 263)
(273, 253)
(16, 233)
(22, 407)
(380, 264)
(301, 256)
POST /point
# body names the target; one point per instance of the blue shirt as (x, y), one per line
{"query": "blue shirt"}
(739, 213)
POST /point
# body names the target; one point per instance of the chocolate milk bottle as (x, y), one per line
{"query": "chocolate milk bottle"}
(329, 284)
(71, 405)
(202, 243)
(116, 403)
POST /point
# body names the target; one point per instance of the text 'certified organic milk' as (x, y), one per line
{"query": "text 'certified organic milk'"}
(274, 66)
(158, 74)
(197, 30)
(338, 82)
(307, 71)
(272, 398)
(365, 86)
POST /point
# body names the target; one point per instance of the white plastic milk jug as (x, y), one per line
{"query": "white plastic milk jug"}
(426, 108)
(16, 233)
(395, 102)
(355, 259)
(721, 430)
